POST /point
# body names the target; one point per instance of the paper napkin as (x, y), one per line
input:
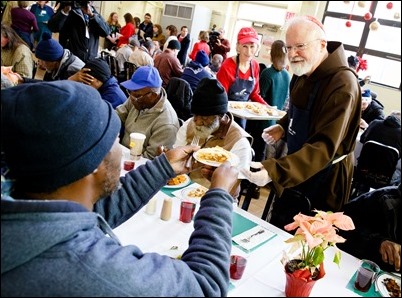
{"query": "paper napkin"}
(263, 236)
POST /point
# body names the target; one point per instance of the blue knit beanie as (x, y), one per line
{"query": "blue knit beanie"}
(48, 49)
(55, 133)
(202, 58)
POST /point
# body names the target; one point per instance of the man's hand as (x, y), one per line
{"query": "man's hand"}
(260, 178)
(224, 177)
(363, 124)
(82, 76)
(179, 156)
(87, 10)
(273, 134)
(391, 253)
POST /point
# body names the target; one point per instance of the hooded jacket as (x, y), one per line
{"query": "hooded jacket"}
(333, 129)
(58, 248)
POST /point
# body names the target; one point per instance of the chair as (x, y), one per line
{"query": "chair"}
(375, 166)
(111, 61)
(34, 68)
(129, 69)
(180, 95)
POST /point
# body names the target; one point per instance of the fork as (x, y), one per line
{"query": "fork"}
(252, 235)
(195, 141)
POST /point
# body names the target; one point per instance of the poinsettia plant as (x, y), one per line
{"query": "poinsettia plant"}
(313, 236)
(362, 64)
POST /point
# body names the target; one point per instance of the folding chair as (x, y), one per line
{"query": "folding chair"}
(129, 69)
(375, 166)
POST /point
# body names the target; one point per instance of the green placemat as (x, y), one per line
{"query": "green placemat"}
(241, 224)
(169, 191)
(370, 293)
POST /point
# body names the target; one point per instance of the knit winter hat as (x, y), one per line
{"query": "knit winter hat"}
(174, 45)
(48, 49)
(144, 76)
(202, 58)
(55, 133)
(209, 98)
(99, 69)
(366, 95)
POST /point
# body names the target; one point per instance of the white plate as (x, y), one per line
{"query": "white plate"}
(233, 158)
(184, 183)
(382, 289)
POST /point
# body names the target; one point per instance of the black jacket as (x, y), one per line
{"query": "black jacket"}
(184, 45)
(73, 31)
(376, 218)
(375, 110)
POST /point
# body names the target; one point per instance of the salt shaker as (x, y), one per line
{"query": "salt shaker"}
(150, 208)
(166, 212)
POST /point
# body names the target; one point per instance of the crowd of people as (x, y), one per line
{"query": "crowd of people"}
(62, 138)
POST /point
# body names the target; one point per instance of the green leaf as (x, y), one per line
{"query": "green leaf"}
(337, 257)
(318, 255)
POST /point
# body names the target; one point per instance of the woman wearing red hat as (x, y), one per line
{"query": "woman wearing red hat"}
(239, 75)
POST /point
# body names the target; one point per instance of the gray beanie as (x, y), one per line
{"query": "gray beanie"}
(55, 133)
(209, 98)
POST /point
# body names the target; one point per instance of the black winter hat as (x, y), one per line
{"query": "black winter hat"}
(99, 69)
(209, 98)
(55, 133)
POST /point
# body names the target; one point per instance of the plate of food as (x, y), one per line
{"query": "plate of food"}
(215, 156)
(194, 193)
(389, 285)
(262, 110)
(178, 181)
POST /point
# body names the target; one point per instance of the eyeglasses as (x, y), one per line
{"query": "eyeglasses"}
(140, 97)
(299, 46)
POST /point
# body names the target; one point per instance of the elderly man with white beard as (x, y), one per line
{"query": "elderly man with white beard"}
(214, 126)
(320, 127)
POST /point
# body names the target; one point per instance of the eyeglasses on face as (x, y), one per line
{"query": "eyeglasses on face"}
(300, 46)
(138, 98)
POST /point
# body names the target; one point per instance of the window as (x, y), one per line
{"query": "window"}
(381, 48)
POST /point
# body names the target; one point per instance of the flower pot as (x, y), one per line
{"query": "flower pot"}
(300, 282)
(298, 287)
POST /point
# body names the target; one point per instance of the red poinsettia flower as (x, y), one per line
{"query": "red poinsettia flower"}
(362, 64)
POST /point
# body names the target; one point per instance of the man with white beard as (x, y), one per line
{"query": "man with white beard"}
(320, 127)
(214, 126)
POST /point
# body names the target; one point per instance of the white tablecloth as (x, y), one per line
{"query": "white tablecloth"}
(264, 275)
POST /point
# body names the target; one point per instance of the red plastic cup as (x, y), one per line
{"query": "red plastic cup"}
(366, 275)
(187, 209)
(237, 266)
(128, 165)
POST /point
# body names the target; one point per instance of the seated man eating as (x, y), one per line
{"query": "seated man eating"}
(214, 126)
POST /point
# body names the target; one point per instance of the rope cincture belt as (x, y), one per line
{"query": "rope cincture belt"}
(340, 158)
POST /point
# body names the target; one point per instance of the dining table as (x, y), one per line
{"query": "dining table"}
(264, 275)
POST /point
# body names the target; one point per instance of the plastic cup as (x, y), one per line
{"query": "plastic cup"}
(128, 165)
(237, 266)
(366, 275)
(187, 209)
(136, 143)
